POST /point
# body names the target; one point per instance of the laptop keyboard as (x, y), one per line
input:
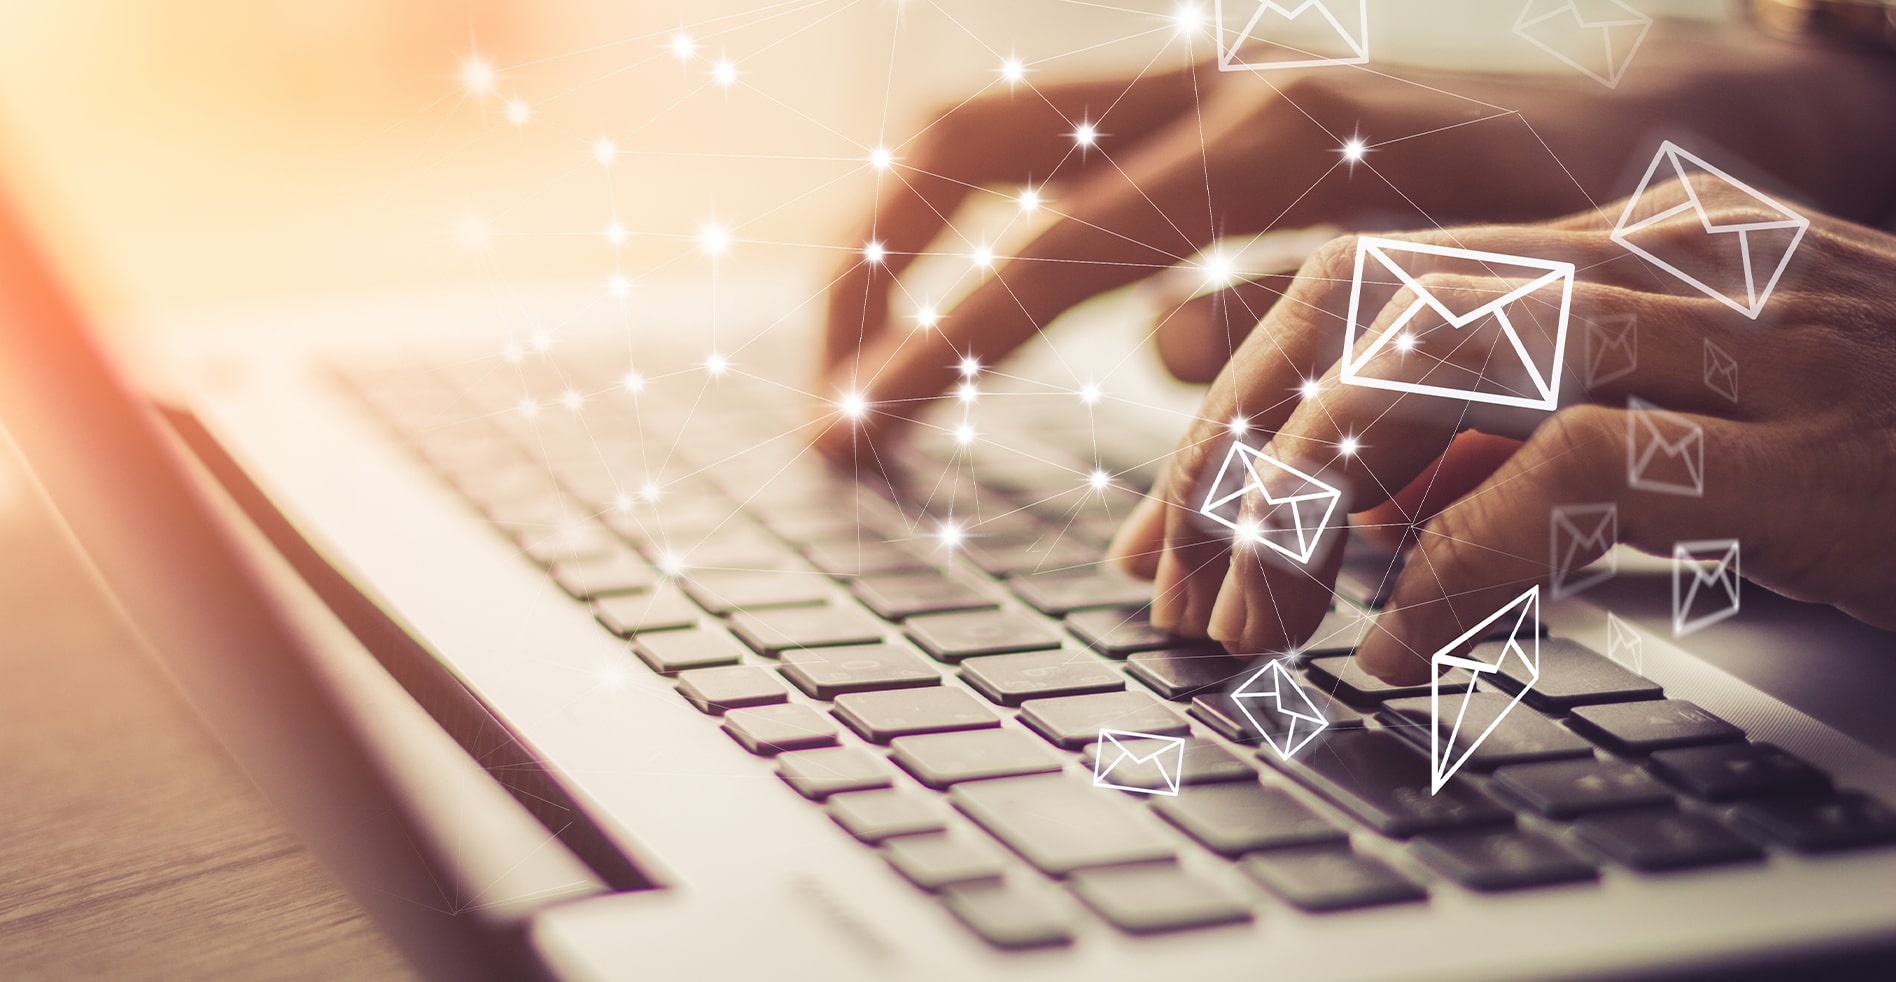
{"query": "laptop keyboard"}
(931, 659)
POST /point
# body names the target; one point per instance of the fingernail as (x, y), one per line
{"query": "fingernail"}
(1228, 611)
(1168, 594)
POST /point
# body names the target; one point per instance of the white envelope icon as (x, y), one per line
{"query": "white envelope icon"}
(1610, 349)
(1165, 753)
(1705, 580)
(1525, 378)
(1274, 702)
(1746, 258)
(1721, 371)
(1260, 34)
(1580, 533)
(1297, 507)
(1665, 451)
(1625, 645)
(1521, 646)
(1598, 37)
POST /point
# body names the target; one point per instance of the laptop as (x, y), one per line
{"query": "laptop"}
(574, 661)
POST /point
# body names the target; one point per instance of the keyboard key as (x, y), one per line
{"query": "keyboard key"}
(1340, 631)
(1154, 897)
(1008, 916)
(1233, 819)
(1065, 591)
(770, 632)
(664, 609)
(873, 816)
(817, 774)
(826, 673)
(1502, 859)
(1339, 676)
(1522, 736)
(1060, 824)
(671, 652)
(899, 597)
(943, 759)
(1218, 711)
(1730, 771)
(569, 540)
(1205, 763)
(1367, 576)
(952, 637)
(1847, 820)
(1330, 878)
(1568, 788)
(727, 593)
(883, 716)
(1384, 782)
(803, 525)
(1664, 839)
(936, 861)
(1013, 679)
(1073, 722)
(1119, 631)
(1641, 727)
(1008, 554)
(767, 730)
(618, 571)
(1570, 675)
(1180, 673)
(714, 690)
(862, 557)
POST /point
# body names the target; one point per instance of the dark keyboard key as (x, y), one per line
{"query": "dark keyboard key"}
(664, 609)
(1065, 591)
(618, 571)
(671, 652)
(1220, 712)
(1339, 676)
(1367, 576)
(767, 730)
(1073, 722)
(1119, 631)
(902, 596)
(1570, 675)
(1502, 859)
(1154, 897)
(1384, 782)
(1008, 554)
(1664, 839)
(1522, 736)
(1730, 771)
(936, 861)
(1008, 916)
(873, 816)
(1847, 820)
(883, 716)
(1330, 878)
(1180, 673)
(1013, 679)
(817, 774)
(863, 557)
(1339, 633)
(826, 673)
(952, 637)
(770, 632)
(1566, 788)
(1060, 824)
(1129, 763)
(714, 690)
(727, 593)
(1642, 727)
(1234, 819)
(943, 759)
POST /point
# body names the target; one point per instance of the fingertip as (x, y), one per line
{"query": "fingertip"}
(1134, 548)
(1386, 652)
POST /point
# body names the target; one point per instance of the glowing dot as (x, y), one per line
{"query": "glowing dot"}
(714, 238)
(513, 352)
(1405, 342)
(970, 366)
(619, 286)
(477, 75)
(982, 256)
(671, 564)
(1099, 480)
(518, 112)
(529, 408)
(682, 46)
(1013, 71)
(1249, 531)
(853, 406)
(614, 675)
(1188, 18)
(540, 339)
(967, 392)
(605, 151)
(1085, 134)
(1090, 394)
(1219, 270)
(964, 434)
(1349, 446)
(1029, 200)
(1353, 149)
(724, 73)
(882, 158)
(874, 252)
(950, 535)
(622, 502)
(716, 364)
(1238, 426)
(651, 491)
(632, 382)
(572, 399)
(1310, 388)
(926, 317)
(615, 234)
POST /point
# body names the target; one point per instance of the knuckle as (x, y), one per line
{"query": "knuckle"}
(1580, 447)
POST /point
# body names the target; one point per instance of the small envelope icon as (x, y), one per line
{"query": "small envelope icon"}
(1665, 451)
(1705, 579)
(1743, 258)
(1520, 646)
(1260, 34)
(1510, 373)
(1598, 37)
(1611, 349)
(1625, 645)
(1721, 371)
(1274, 702)
(1581, 533)
(1297, 507)
(1129, 749)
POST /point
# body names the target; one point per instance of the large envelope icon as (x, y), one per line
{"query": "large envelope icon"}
(1598, 37)
(1297, 506)
(1493, 323)
(1274, 702)
(1705, 579)
(1120, 748)
(1520, 645)
(1745, 258)
(1580, 533)
(1664, 451)
(1258, 34)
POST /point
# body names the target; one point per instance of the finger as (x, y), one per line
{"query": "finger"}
(1470, 458)
(1198, 336)
(1276, 593)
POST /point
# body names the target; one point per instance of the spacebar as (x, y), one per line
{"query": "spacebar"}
(1060, 825)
